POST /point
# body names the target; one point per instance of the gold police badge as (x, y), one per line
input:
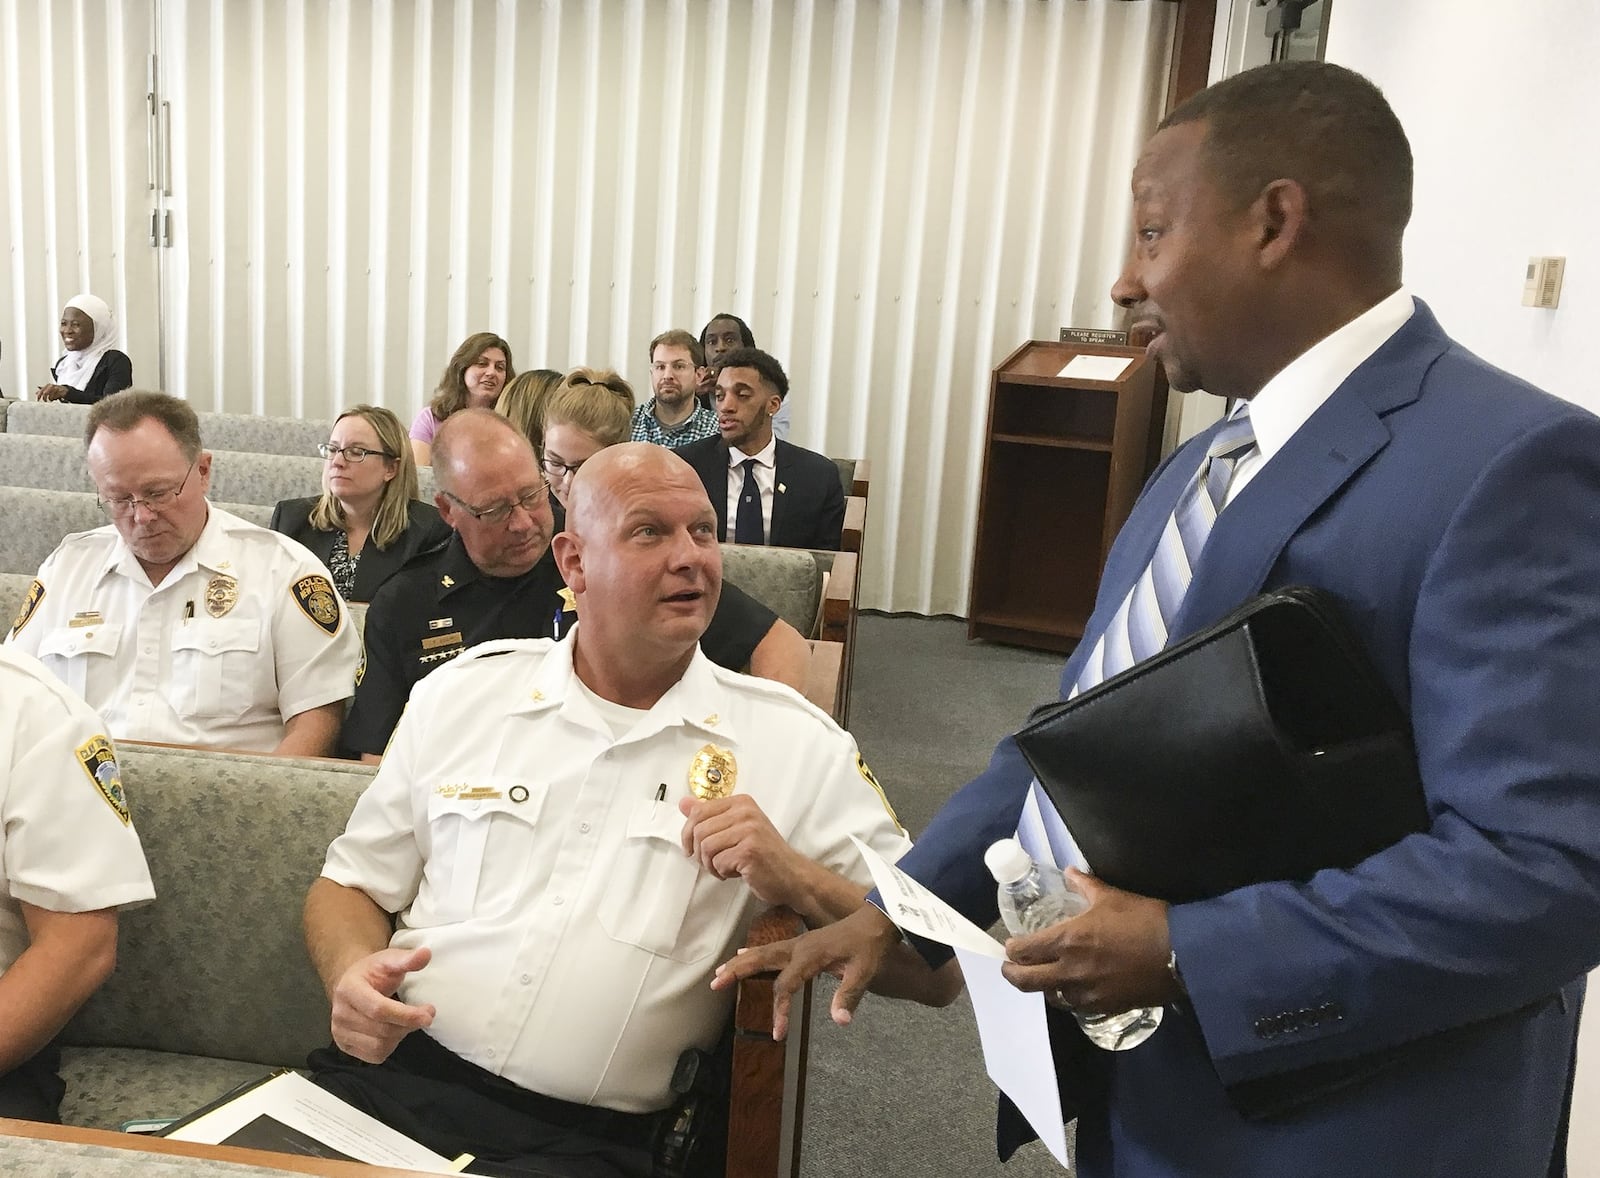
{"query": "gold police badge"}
(222, 594)
(713, 773)
(29, 604)
(99, 761)
(317, 600)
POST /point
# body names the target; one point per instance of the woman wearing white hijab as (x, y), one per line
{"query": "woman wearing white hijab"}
(91, 367)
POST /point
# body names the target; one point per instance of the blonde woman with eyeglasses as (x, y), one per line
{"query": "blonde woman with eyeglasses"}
(590, 410)
(368, 521)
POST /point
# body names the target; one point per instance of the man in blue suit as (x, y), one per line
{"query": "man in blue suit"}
(1455, 513)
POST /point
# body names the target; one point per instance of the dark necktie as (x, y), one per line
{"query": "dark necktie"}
(747, 526)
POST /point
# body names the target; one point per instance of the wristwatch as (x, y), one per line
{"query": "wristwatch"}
(1175, 973)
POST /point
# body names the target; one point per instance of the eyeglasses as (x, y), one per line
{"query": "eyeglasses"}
(554, 468)
(351, 453)
(501, 512)
(124, 505)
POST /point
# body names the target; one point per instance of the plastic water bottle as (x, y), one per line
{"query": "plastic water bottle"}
(1034, 897)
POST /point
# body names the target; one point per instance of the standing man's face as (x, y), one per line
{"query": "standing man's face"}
(1188, 275)
(745, 405)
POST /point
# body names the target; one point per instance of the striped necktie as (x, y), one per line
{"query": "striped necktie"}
(1139, 627)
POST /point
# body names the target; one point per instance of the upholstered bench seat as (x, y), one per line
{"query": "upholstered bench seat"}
(109, 1086)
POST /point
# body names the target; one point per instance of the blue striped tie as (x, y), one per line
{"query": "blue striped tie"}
(1139, 627)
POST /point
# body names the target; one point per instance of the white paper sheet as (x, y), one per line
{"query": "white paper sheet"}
(294, 1102)
(1011, 1024)
(917, 910)
(1087, 367)
(1016, 1048)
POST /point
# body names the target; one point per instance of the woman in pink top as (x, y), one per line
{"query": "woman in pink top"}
(477, 371)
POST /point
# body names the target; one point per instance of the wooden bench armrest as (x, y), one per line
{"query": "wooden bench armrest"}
(825, 677)
(766, 1092)
(855, 523)
(837, 623)
(862, 477)
(838, 599)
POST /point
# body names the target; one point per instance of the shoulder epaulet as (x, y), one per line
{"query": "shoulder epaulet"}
(502, 646)
(772, 690)
(253, 533)
(104, 534)
(432, 552)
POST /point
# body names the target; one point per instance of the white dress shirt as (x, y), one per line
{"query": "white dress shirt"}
(766, 478)
(1287, 401)
(573, 940)
(165, 663)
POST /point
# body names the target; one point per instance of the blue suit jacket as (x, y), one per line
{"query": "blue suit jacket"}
(1455, 511)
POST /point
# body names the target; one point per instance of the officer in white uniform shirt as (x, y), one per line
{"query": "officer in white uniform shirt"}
(71, 860)
(178, 621)
(568, 869)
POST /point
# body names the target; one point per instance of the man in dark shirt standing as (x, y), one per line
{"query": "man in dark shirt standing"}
(495, 578)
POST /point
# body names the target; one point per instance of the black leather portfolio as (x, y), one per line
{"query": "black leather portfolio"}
(1266, 747)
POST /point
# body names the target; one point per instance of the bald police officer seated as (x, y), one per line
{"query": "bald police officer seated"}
(497, 578)
(180, 622)
(563, 872)
(71, 860)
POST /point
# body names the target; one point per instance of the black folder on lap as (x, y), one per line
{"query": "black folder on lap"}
(1266, 747)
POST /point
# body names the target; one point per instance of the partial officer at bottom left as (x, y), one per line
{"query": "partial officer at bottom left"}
(71, 860)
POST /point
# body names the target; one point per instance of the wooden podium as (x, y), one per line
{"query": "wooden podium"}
(1063, 461)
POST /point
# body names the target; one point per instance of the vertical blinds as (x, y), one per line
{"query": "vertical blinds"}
(893, 195)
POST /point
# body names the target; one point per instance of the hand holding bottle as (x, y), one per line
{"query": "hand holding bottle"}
(1034, 898)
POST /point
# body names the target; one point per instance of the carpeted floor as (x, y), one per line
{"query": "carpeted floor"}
(902, 1092)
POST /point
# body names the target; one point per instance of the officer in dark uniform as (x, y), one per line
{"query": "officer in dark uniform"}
(494, 578)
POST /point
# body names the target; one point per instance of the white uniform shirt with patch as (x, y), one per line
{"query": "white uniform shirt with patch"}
(573, 940)
(65, 837)
(157, 665)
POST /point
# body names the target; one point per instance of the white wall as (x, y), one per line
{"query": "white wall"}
(1499, 102)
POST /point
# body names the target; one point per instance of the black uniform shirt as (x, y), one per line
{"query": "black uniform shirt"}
(441, 603)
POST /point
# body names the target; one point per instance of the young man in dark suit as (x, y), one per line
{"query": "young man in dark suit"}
(765, 490)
